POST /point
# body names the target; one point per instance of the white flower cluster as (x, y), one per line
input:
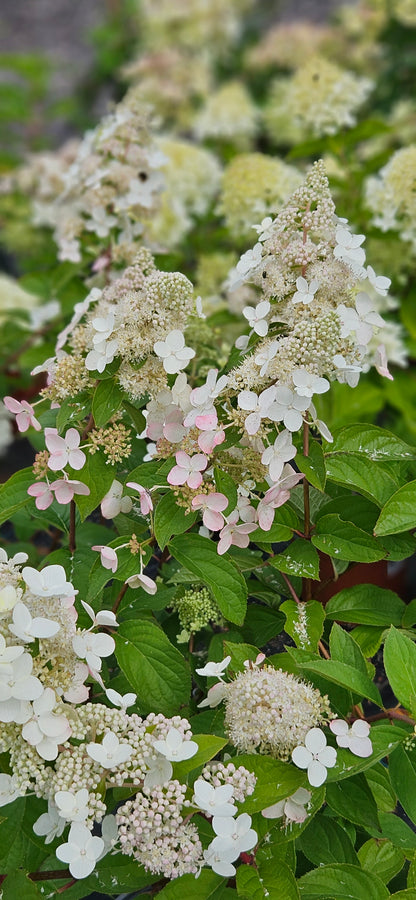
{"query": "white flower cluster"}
(111, 187)
(390, 195)
(137, 318)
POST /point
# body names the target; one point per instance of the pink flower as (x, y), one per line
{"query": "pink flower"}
(42, 491)
(188, 469)
(146, 502)
(276, 496)
(24, 412)
(65, 489)
(108, 557)
(210, 439)
(64, 450)
(143, 581)
(235, 534)
(213, 506)
(380, 362)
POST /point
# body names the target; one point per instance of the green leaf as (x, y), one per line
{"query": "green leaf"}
(314, 615)
(249, 886)
(239, 653)
(364, 475)
(381, 858)
(402, 769)
(156, 670)
(344, 649)
(300, 559)
(324, 841)
(261, 624)
(409, 615)
(208, 747)
(278, 880)
(400, 666)
(18, 884)
(171, 519)
(398, 832)
(340, 673)
(276, 780)
(379, 782)
(366, 604)
(384, 739)
(98, 476)
(147, 474)
(372, 442)
(341, 882)
(14, 495)
(313, 465)
(352, 800)
(345, 541)
(187, 887)
(399, 513)
(227, 486)
(199, 555)
(106, 400)
(9, 830)
(369, 638)
(136, 416)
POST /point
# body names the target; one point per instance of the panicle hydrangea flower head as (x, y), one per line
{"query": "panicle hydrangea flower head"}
(254, 185)
(270, 711)
(390, 195)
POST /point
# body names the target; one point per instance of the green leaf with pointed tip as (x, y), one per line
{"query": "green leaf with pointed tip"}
(338, 672)
(14, 495)
(369, 638)
(313, 615)
(372, 442)
(382, 858)
(156, 670)
(239, 654)
(378, 780)
(345, 541)
(400, 666)
(398, 832)
(187, 887)
(366, 604)
(313, 465)
(361, 474)
(278, 880)
(106, 401)
(208, 747)
(199, 555)
(299, 558)
(227, 486)
(276, 780)
(327, 842)
(249, 886)
(341, 882)
(136, 416)
(18, 884)
(352, 799)
(399, 513)
(171, 519)
(402, 769)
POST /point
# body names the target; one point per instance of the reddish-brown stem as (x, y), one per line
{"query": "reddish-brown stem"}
(391, 714)
(72, 514)
(119, 598)
(66, 886)
(48, 876)
(307, 582)
(323, 650)
(291, 588)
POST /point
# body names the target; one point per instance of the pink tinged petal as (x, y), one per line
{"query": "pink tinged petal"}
(301, 757)
(317, 773)
(53, 441)
(72, 438)
(64, 492)
(194, 480)
(12, 405)
(43, 494)
(224, 543)
(207, 422)
(76, 459)
(295, 812)
(213, 520)
(177, 475)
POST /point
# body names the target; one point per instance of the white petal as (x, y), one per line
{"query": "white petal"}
(317, 773)
(315, 740)
(301, 757)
